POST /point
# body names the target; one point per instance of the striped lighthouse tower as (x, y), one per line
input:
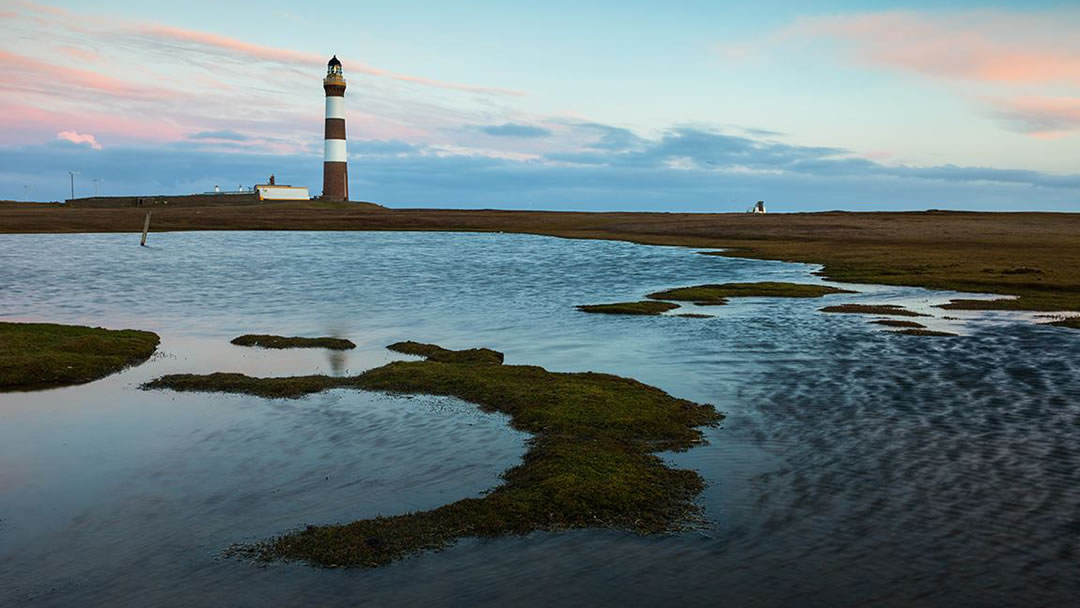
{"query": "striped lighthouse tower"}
(335, 164)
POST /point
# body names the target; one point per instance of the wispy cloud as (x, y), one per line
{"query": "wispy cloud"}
(224, 134)
(1039, 116)
(157, 34)
(514, 130)
(135, 80)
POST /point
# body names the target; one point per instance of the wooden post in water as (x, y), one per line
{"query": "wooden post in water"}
(145, 229)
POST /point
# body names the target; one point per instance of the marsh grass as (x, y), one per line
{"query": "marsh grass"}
(280, 342)
(629, 308)
(719, 294)
(43, 355)
(591, 461)
(874, 309)
(925, 332)
(899, 323)
(433, 352)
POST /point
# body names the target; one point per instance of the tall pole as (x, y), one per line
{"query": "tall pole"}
(335, 159)
(73, 174)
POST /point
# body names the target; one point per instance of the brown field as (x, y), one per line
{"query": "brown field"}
(1032, 255)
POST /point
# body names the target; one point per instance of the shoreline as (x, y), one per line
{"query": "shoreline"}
(1032, 255)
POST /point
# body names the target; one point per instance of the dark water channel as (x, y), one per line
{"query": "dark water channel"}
(856, 467)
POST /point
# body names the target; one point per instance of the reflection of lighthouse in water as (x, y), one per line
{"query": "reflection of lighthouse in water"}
(335, 161)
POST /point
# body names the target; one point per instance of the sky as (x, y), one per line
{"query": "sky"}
(676, 106)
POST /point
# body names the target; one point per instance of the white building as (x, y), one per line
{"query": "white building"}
(277, 192)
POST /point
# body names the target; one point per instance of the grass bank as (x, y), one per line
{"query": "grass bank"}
(45, 355)
(591, 461)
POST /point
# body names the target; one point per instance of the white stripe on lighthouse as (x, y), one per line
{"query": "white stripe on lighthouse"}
(334, 151)
(335, 106)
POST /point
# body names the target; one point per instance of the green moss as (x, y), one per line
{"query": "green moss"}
(267, 341)
(43, 355)
(433, 352)
(874, 309)
(629, 308)
(718, 294)
(272, 388)
(899, 323)
(591, 461)
(924, 332)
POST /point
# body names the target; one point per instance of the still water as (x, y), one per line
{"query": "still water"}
(856, 467)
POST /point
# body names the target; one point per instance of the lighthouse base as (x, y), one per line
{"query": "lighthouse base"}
(335, 181)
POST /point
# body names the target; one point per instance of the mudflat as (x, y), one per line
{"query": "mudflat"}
(1035, 256)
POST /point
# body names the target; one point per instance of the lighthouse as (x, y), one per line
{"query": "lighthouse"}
(335, 162)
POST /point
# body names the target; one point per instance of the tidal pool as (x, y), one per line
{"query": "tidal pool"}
(855, 466)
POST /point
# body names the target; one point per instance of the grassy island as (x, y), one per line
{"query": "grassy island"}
(718, 294)
(432, 352)
(899, 323)
(874, 309)
(267, 341)
(591, 462)
(925, 332)
(629, 308)
(45, 355)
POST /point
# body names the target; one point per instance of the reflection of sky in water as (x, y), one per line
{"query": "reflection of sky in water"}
(855, 465)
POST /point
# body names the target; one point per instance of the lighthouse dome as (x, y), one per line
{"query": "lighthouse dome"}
(333, 62)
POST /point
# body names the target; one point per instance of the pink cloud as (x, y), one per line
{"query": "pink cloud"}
(978, 46)
(216, 42)
(28, 74)
(223, 43)
(155, 33)
(78, 53)
(79, 138)
(29, 124)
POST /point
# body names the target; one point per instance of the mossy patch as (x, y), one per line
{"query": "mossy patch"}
(267, 341)
(629, 308)
(35, 356)
(718, 294)
(925, 332)
(874, 309)
(591, 461)
(899, 323)
(433, 352)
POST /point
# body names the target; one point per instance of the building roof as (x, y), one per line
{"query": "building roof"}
(333, 61)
